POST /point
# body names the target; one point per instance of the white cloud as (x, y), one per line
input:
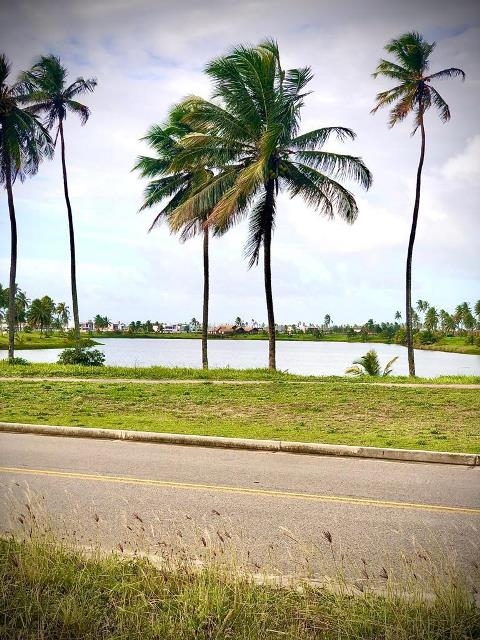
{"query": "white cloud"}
(465, 165)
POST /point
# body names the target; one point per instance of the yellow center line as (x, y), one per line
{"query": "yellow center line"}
(272, 493)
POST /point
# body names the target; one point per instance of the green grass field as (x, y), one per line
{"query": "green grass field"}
(342, 412)
(47, 370)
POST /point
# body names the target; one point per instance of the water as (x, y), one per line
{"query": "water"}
(308, 358)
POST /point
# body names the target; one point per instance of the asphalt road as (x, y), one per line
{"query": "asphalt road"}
(273, 511)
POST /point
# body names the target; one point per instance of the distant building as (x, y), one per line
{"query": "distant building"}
(86, 326)
(116, 326)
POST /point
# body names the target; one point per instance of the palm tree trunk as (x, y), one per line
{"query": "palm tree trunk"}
(267, 241)
(206, 288)
(13, 261)
(73, 268)
(408, 315)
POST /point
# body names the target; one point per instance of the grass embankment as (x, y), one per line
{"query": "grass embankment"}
(36, 340)
(52, 592)
(48, 370)
(452, 344)
(337, 412)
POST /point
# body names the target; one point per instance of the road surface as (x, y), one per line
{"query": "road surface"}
(274, 511)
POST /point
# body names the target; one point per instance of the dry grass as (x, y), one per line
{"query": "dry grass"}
(52, 590)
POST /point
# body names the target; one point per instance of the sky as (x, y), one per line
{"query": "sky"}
(148, 54)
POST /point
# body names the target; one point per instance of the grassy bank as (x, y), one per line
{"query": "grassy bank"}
(442, 419)
(36, 340)
(48, 370)
(52, 592)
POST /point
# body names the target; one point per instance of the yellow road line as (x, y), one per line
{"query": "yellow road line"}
(271, 493)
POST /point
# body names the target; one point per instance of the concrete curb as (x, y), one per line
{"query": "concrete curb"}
(306, 448)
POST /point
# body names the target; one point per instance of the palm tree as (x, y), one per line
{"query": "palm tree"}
(414, 94)
(327, 321)
(176, 186)
(3, 301)
(398, 316)
(251, 132)
(431, 319)
(50, 96)
(23, 143)
(40, 314)
(63, 314)
(476, 310)
(369, 364)
(422, 306)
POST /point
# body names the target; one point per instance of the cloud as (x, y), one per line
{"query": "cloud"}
(465, 165)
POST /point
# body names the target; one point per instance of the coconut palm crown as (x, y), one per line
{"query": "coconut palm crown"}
(414, 94)
(250, 132)
(49, 95)
(169, 189)
(23, 143)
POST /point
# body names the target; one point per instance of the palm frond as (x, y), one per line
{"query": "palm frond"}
(260, 218)
(338, 165)
(441, 105)
(316, 139)
(247, 182)
(80, 109)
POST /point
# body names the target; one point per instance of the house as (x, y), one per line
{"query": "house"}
(86, 326)
(175, 328)
(251, 330)
(116, 326)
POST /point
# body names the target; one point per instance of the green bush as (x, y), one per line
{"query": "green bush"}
(21, 361)
(424, 337)
(401, 336)
(83, 356)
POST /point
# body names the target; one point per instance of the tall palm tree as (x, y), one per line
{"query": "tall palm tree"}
(412, 94)
(251, 132)
(52, 97)
(23, 143)
(175, 187)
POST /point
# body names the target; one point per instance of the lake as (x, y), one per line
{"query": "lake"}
(308, 358)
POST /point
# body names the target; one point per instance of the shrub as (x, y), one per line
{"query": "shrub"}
(424, 337)
(369, 364)
(17, 360)
(83, 356)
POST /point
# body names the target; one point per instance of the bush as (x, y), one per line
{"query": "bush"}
(401, 336)
(424, 337)
(17, 361)
(83, 356)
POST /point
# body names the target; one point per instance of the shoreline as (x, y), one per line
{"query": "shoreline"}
(56, 342)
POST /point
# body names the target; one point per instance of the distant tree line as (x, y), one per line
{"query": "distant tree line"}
(41, 314)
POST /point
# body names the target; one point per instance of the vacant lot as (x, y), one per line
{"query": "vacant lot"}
(333, 412)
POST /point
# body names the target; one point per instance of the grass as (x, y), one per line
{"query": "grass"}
(37, 340)
(48, 370)
(442, 419)
(51, 591)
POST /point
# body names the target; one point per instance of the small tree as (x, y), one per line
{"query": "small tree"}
(369, 364)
